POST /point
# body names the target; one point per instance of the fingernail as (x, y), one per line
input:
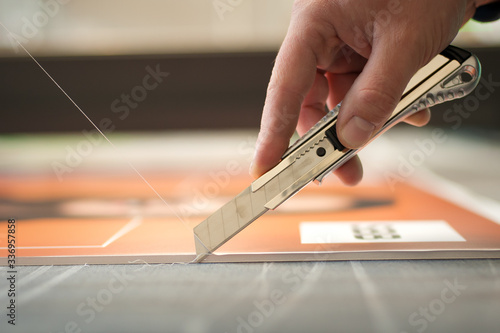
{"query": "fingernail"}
(357, 132)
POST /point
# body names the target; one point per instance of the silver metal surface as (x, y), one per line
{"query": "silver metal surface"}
(230, 219)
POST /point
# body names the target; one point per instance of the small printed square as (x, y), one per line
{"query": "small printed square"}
(374, 231)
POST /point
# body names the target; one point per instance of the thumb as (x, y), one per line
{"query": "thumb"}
(375, 94)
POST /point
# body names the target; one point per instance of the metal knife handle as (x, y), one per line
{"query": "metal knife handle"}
(462, 81)
(446, 77)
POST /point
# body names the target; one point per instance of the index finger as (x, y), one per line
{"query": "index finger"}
(292, 77)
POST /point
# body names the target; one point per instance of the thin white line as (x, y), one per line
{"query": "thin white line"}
(131, 225)
(378, 312)
(57, 247)
(296, 295)
(33, 275)
(494, 272)
(30, 277)
(433, 183)
(40, 289)
(97, 128)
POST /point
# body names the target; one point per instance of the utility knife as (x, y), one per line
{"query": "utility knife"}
(452, 74)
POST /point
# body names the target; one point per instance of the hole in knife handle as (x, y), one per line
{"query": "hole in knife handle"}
(321, 152)
(465, 75)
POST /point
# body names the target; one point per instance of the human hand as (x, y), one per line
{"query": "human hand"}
(360, 52)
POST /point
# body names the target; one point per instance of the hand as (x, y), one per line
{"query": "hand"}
(361, 52)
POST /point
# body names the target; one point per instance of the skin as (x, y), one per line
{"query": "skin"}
(360, 52)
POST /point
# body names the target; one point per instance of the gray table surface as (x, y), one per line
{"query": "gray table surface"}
(348, 296)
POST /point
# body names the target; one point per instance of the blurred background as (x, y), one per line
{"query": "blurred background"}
(214, 59)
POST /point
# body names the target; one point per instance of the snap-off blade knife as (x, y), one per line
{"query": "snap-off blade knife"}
(452, 74)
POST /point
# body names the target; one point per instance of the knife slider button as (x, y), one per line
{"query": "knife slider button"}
(331, 134)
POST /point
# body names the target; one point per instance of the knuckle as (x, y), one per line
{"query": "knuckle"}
(283, 93)
(379, 103)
